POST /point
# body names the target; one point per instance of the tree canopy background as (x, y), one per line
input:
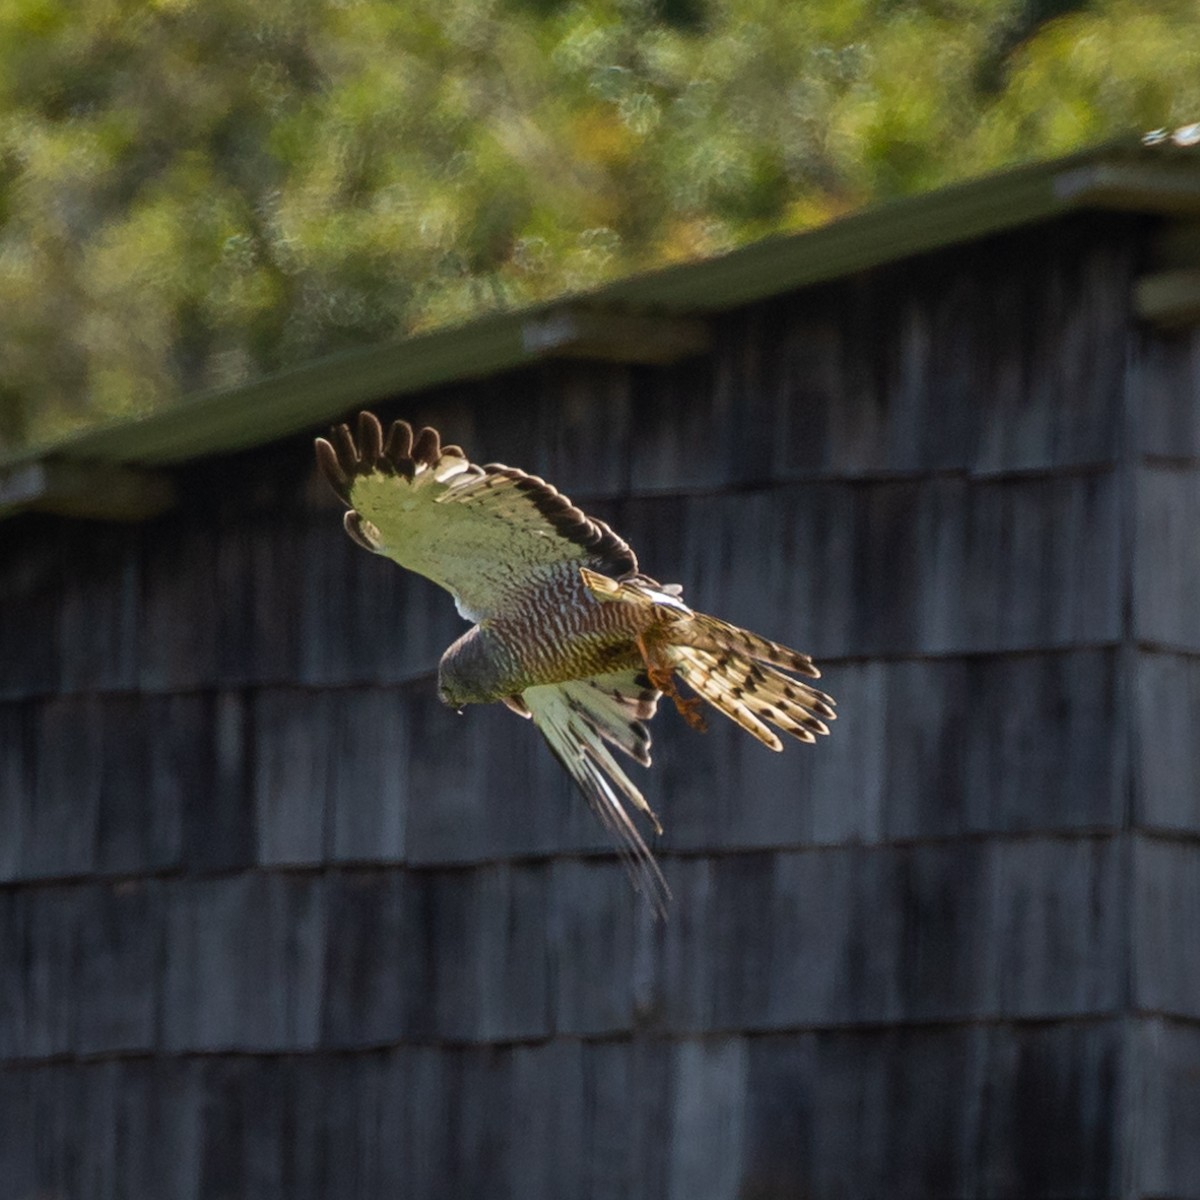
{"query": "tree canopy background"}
(197, 192)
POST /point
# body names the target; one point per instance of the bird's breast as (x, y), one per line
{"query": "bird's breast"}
(560, 631)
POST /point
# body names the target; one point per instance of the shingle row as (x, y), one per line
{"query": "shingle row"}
(889, 568)
(292, 961)
(906, 1113)
(128, 783)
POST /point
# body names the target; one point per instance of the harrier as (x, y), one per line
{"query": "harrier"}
(565, 630)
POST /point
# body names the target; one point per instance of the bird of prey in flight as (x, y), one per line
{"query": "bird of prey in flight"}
(565, 630)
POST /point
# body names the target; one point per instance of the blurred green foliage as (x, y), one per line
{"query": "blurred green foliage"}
(195, 192)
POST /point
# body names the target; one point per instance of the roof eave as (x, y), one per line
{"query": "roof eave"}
(1122, 176)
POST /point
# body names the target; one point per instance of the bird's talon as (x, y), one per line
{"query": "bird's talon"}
(689, 711)
(663, 679)
(660, 678)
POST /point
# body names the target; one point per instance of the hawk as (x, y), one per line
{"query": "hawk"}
(565, 630)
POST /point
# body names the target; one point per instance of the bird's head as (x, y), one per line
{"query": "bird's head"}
(470, 672)
(450, 697)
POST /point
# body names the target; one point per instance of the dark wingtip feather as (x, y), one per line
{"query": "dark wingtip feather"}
(348, 454)
(347, 451)
(428, 447)
(353, 523)
(370, 437)
(331, 468)
(399, 442)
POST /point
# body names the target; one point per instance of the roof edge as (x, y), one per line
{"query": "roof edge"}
(1122, 175)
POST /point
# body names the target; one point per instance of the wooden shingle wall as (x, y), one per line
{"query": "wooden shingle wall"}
(1165, 614)
(274, 923)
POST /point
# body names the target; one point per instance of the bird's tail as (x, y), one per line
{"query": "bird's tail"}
(739, 673)
(752, 693)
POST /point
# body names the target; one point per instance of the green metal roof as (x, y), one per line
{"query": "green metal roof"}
(1127, 174)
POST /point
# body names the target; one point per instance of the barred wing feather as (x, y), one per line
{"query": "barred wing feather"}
(579, 720)
(485, 534)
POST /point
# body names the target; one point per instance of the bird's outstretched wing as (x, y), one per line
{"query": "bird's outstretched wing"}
(580, 719)
(485, 534)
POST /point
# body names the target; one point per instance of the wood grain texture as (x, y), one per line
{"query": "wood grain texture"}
(120, 784)
(290, 963)
(41, 955)
(591, 921)
(1167, 556)
(290, 599)
(989, 1112)
(1166, 901)
(897, 567)
(1167, 772)
(495, 985)
(115, 989)
(932, 933)
(380, 960)
(1165, 372)
(1166, 1081)
(500, 794)
(243, 963)
(1016, 1112)
(331, 774)
(1011, 363)
(584, 437)
(15, 977)
(98, 615)
(30, 595)
(17, 759)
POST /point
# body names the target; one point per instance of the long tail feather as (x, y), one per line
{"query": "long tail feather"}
(713, 634)
(753, 695)
(692, 668)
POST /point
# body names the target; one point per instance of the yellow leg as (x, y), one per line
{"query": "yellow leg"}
(663, 678)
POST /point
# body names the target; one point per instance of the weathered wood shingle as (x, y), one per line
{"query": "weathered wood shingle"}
(591, 918)
(906, 1113)
(30, 565)
(934, 1113)
(1167, 750)
(244, 961)
(380, 962)
(116, 984)
(923, 367)
(1165, 1077)
(1026, 928)
(17, 759)
(331, 774)
(1166, 903)
(119, 784)
(42, 955)
(1165, 372)
(898, 567)
(1167, 556)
